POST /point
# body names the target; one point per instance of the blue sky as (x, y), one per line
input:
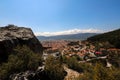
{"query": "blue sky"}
(51, 16)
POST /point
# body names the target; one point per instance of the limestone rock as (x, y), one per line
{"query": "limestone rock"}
(11, 36)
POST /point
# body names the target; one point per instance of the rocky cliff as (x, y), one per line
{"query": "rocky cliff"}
(11, 36)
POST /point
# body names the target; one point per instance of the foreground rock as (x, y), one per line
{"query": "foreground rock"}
(29, 75)
(11, 36)
(39, 74)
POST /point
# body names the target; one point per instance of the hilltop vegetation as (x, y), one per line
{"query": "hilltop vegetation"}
(112, 37)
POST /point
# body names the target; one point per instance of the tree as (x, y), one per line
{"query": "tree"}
(54, 69)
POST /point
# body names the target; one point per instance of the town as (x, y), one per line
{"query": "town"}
(81, 49)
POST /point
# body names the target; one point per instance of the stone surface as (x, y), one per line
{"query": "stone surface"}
(11, 36)
(39, 74)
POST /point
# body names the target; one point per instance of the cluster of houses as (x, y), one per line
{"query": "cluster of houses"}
(83, 50)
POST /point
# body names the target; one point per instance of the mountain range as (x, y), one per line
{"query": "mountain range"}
(79, 36)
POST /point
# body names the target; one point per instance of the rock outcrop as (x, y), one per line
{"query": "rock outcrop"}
(30, 75)
(39, 74)
(11, 36)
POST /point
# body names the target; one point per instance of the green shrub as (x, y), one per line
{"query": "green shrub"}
(72, 63)
(99, 72)
(22, 59)
(54, 69)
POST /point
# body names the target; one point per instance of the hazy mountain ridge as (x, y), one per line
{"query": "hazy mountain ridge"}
(80, 36)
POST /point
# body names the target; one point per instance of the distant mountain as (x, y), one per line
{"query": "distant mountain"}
(79, 36)
(113, 37)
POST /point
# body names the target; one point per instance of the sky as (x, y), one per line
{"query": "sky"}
(56, 17)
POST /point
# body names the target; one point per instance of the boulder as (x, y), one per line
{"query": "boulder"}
(11, 36)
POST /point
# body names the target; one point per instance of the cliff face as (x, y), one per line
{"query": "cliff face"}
(11, 36)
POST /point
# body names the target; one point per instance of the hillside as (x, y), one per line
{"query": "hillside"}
(113, 37)
(79, 36)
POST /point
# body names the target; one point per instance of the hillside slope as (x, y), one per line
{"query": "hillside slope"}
(113, 37)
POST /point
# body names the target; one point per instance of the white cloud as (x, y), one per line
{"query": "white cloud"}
(67, 32)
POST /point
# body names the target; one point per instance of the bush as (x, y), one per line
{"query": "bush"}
(72, 63)
(22, 59)
(54, 69)
(99, 72)
(114, 58)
